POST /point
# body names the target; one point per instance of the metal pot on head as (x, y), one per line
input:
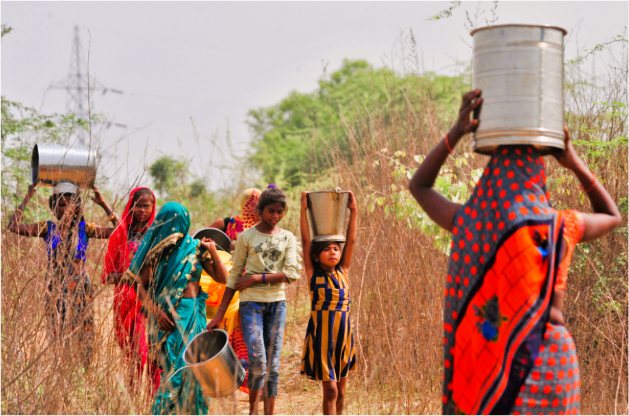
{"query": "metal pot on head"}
(52, 164)
(214, 363)
(328, 210)
(519, 69)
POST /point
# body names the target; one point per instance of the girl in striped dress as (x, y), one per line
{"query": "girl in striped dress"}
(329, 353)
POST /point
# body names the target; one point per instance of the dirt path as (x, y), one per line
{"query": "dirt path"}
(297, 395)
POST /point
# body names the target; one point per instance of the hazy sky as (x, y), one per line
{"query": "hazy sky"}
(213, 61)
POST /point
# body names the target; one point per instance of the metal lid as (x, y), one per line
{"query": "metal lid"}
(565, 32)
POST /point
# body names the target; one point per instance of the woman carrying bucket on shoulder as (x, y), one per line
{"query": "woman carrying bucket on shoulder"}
(269, 255)
(167, 269)
(329, 353)
(130, 324)
(506, 349)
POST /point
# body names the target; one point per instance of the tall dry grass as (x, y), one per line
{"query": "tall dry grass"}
(397, 285)
(44, 374)
(397, 278)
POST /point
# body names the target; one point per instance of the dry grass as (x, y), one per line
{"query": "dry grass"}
(397, 287)
(396, 282)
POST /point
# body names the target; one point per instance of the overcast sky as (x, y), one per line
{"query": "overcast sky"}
(212, 61)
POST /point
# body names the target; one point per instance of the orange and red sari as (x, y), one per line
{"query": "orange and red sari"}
(129, 321)
(501, 273)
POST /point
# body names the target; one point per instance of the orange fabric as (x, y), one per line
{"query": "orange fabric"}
(237, 342)
(517, 279)
(573, 227)
(502, 267)
(247, 219)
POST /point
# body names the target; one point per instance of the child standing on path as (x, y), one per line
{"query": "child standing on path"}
(269, 255)
(329, 353)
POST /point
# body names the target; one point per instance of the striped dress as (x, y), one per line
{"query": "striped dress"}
(329, 352)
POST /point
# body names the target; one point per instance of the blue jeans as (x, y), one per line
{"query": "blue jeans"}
(263, 330)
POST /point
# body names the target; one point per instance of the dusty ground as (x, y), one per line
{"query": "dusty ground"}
(297, 394)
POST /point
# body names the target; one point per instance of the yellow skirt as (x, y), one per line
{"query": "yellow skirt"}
(215, 293)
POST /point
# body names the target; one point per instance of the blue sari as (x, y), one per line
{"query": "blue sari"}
(175, 258)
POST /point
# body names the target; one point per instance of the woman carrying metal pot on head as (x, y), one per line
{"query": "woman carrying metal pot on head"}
(167, 268)
(69, 290)
(506, 349)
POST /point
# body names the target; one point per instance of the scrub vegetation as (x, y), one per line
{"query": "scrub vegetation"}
(365, 129)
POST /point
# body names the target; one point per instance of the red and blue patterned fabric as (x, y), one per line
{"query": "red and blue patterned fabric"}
(501, 273)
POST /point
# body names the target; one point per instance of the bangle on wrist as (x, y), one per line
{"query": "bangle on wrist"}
(112, 216)
(448, 144)
(591, 185)
(263, 277)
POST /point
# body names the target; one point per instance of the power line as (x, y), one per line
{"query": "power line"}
(76, 87)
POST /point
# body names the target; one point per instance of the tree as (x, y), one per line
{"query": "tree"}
(293, 139)
(168, 174)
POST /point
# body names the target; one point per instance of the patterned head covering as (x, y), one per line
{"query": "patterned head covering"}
(249, 215)
(499, 285)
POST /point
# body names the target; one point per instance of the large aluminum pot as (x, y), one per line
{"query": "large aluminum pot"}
(519, 69)
(51, 164)
(214, 363)
(327, 214)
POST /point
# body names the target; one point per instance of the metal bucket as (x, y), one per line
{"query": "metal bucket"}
(52, 164)
(221, 239)
(519, 69)
(327, 214)
(214, 363)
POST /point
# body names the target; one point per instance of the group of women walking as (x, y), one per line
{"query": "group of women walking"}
(506, 349)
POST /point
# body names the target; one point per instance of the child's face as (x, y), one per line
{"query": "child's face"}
(272, 214)
(142, 209)
(66, 205)
(330, 256)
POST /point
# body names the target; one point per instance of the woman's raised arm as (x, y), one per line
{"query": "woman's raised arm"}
(15, 225)
(440, 209)
(305, 234)
(606, 216)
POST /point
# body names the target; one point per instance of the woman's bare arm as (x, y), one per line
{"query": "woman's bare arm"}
(606, 215)
(15, 225)
(305, 234)
(352, 228)
(440, 209)
(219, 223)
(215, 268)
(104, 232)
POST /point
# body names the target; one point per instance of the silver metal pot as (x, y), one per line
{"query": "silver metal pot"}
(328, 210)
(214, 363)
(519, 69)
(51, 164)
(218, 236)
